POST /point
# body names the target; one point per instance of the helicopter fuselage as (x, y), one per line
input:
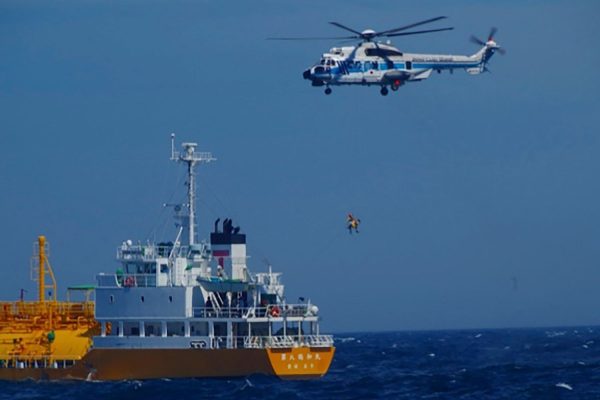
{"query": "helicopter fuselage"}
(372, 63)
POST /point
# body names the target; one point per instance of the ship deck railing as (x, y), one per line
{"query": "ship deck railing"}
(36, 362)
(126, 279)
(23, 310)
(273, 311)
(149, 252)
(280, 341)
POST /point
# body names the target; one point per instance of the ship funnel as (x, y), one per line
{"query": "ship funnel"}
(229, 248)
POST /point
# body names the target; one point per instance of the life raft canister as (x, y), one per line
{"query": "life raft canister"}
(129, 281)
(275, 311)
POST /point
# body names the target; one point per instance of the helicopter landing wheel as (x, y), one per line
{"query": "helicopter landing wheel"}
(384, 91)
(328, 91)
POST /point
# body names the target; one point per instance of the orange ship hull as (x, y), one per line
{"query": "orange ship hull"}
(124, 364)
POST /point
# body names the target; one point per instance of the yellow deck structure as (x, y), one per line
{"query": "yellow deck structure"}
(45, 333)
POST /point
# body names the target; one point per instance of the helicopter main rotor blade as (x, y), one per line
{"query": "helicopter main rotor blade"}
(312, 38)
(411, 25)
(492, 33)
(417, 32)
(346, 28)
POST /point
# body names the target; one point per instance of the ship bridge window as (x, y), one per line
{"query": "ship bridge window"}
(140, 268)
(266, 299)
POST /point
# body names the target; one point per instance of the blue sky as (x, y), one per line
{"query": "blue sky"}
(461, 182)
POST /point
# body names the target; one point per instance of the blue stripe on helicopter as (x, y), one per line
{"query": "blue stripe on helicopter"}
(344, 69)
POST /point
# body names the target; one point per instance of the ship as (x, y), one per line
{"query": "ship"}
(182, 308)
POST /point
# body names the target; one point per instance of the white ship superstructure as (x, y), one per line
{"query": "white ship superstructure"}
(187, 294)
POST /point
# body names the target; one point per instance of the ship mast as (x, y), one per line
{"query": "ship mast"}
(191, 157)
(40, 266)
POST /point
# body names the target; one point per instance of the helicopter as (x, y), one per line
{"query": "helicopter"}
(375, 63)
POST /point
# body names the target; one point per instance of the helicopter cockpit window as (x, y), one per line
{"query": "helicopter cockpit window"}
(322, 62)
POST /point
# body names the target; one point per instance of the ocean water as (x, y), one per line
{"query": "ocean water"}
(557, 363)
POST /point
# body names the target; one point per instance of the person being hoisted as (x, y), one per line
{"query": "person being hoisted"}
(352, 223)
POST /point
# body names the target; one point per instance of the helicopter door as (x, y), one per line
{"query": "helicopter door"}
(372, 72)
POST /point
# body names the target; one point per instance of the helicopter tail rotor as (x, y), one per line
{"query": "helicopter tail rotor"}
(490, 43)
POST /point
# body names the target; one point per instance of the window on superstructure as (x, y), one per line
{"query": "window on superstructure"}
(151, 268)
(175, 328)
(199, 328)
(220, 328)
(131, 328)
(153, 328)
